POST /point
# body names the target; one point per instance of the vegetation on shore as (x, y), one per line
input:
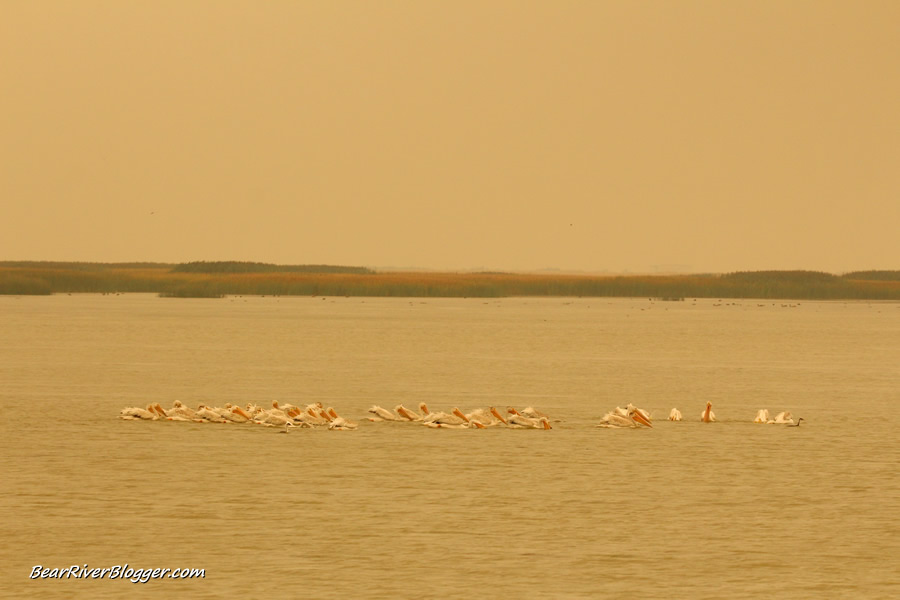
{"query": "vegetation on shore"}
(214, 280)
(232, 266)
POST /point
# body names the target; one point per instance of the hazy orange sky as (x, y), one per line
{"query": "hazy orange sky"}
(640, 136)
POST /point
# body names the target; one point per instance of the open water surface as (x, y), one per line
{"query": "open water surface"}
(730, 509)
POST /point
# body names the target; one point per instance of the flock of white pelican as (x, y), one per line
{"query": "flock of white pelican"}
(631, 416)
(782, 418)
(288, 416)
(480, 418)
(707, 416)
(285, 415)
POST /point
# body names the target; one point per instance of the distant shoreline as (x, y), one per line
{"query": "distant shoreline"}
(219, 279)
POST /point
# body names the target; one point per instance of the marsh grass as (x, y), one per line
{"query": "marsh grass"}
(22, 284)
(46, 278)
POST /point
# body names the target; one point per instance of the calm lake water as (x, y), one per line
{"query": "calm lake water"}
(395, 510)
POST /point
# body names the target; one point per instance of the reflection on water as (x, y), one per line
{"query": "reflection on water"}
(730, 509)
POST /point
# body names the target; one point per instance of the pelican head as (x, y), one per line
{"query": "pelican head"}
(498, 416)
(404, 412)
(459, 414)
(639, 417)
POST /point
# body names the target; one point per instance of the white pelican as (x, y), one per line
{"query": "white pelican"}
(675, 415)
(482, 417)
(783, 418)
(222, 411)
(633, 418)
(236, 415)
(762, 416)
(623, 412)
(135, 413)
(533, 413)
(272, 419)
(169, 415)
(340, 423)
(522, 422)
(442, 418)
(205, 413)
(277, 410)
(478, 418)
(180, 411)
(276, 417)
(384, 414)
(708, 416)
(407, 413)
